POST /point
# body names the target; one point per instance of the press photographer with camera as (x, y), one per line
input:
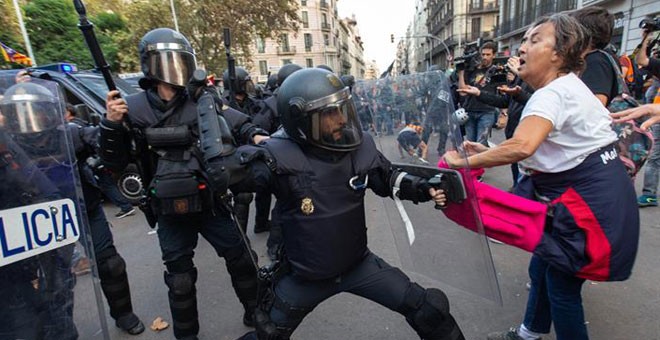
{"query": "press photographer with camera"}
(481, 116)
(643, 58)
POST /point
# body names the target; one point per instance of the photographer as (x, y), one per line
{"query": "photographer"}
(651, 64)
(481, 116)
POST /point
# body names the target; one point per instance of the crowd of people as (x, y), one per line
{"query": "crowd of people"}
(308, 139)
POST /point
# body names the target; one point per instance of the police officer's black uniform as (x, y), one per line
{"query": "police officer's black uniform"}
(244, 101)
(165, 133)
(319, 168)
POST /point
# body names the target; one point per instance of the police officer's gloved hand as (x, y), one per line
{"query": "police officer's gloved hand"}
(196, 85)
(414, 188)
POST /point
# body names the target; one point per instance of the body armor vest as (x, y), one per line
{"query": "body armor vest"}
(323, 217)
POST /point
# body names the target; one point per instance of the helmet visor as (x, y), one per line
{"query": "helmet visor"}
(28, 113)
(336, 126)
(171, 66)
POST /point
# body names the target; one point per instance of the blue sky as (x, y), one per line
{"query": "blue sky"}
(376, 20)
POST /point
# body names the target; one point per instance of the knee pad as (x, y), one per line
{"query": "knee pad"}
(427, 311)
(111, 264)
(181, 283)
(114, 282)
(243, 198)
(239, 261)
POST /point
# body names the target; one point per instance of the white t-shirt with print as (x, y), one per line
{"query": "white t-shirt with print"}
(580, 125)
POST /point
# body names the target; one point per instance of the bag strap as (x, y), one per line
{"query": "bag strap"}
(621, 86)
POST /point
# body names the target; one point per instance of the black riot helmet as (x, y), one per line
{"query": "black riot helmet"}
(243, 83)
(272, 83)
(30, 109)
(316, 109)
(348, 80)
(325, 67)
(167, 56)
(285, 71)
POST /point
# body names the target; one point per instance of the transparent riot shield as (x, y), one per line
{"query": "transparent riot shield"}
(43, 227)
(411, 119)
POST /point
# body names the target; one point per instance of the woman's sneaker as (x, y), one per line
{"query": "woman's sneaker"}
(647, 201)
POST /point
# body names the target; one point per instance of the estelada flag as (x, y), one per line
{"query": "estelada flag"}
(11, 55)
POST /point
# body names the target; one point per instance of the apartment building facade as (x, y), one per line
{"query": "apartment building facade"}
(322, 39)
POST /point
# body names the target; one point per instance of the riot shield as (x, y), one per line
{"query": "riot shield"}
(412, 123)
(43, 227)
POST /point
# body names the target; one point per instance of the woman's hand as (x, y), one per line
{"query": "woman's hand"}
(651, 110)
(115, 107)
(471, 90)
(454, 159)
(438, 196)
(473, 148)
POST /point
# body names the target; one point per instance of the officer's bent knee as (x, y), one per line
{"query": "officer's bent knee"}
(181, 283)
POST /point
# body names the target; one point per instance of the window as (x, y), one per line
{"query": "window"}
(303, 2)
(308, 42)
(263, 67)
(326, 39)
(261, 46)
(305, 19)
(310, 62)
(286, 62)
(284, 42)
(476, 27)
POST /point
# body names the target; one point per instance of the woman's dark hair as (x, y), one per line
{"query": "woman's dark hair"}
(597, 22)
(571, 40)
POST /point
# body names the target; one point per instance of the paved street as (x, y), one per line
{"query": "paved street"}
(615, 311)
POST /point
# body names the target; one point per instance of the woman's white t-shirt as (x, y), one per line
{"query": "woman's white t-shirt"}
(580, 125)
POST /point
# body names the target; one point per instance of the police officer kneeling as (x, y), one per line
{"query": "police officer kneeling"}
(164, 124)
(319, 168)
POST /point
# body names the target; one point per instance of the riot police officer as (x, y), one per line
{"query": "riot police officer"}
(163, 122)
(25, 102)
(240, 95)
(319, 167)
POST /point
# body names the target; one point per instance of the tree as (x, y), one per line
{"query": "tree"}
(202, 21)
(55, 37)
(10, 34)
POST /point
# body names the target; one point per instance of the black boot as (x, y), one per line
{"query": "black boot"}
(130, 324)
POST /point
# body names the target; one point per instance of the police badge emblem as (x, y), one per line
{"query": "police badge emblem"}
(181, 206)
(307, 207)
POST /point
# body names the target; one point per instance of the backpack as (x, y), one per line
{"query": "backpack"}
(634, 144)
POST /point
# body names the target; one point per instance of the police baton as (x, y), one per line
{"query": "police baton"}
(87, 29)
(231, 69)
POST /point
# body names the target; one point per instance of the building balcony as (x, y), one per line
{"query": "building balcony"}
(479, 7)
(522, 20)
(290, 50)
(325, 26)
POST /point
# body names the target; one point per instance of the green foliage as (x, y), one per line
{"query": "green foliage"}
(55, 37)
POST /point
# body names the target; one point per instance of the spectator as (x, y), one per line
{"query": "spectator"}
(563, 135)
(514, 97)
(481, 116)
(649, 197)
(598, 75)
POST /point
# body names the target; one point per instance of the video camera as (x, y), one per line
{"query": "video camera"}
(469, 60)
(650, 25)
